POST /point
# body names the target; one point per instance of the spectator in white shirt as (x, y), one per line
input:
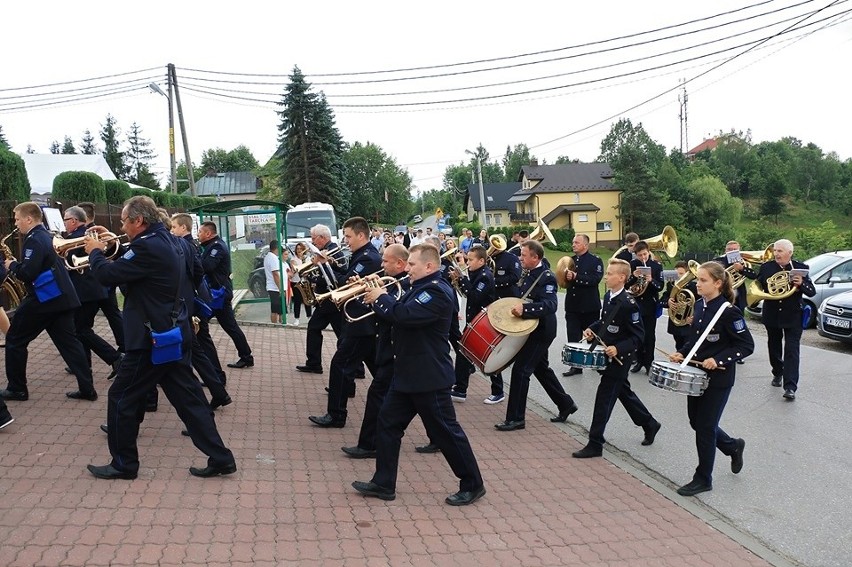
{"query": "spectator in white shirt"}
(274, 280)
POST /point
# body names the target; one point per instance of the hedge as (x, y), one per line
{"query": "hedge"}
(79, 186)
(117, 191)
(14, 183)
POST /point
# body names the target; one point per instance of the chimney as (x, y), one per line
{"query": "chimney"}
(534, 162)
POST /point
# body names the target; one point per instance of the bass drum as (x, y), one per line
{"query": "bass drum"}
(488, 349)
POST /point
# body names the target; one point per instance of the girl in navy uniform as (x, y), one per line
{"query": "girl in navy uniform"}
(728, 341)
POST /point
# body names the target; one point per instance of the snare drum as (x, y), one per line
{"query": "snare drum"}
(578, 355)
(488, 349)
(670, 376)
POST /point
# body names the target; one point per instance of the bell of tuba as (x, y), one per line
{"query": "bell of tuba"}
(665, 242)
(778, 286)
(684, 299)
(750, 259)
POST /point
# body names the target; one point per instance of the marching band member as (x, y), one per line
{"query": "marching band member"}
(507, 272)
(478, 286)
(620, 328)
(679, 333)
(727, 341)
(357, 343)
(422, 377)
(630, 240)
(733, 246)
(783, 318)
(583, 297)
(647, 301)
(532, 358)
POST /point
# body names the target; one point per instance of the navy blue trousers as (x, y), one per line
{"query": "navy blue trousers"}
(704, 412)
(532, 360)
(614, 387)
(785, 360)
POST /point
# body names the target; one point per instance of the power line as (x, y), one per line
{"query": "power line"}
(71, 100)
(66, 92)
(80, 80)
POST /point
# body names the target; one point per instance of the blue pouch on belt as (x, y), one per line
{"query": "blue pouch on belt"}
(217, 296)
(166, 346)
(46, 286)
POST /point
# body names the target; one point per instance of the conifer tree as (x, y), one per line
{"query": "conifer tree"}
(88, 147)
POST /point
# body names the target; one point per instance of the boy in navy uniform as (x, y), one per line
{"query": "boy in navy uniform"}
(539, 285)
(583, 297)
(478, 287)
(423, 375)
(34, 314)
(620, 328)
(647, 301)
(507, 272)
(745, 271)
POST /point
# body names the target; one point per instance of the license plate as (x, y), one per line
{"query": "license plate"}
(839, 323)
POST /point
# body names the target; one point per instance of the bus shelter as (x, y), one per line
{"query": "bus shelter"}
(248, 226)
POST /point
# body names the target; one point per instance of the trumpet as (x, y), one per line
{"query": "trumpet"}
(66, 247)
(456, 267)
(383, 282)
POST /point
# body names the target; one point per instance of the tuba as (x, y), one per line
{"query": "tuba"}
(778, 286)
(749, 258)
(684, 300)
(540, 233)
(665, 242)
(12, 287)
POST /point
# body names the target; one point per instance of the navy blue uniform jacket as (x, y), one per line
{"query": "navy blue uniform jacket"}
(729, 340)
(507, 274)
(216, 260)
(38, 256)
(152, 272)
(541, 303)
(584, 295)
(625, 332)
(194, 271)
(740, 291)
(478, 286)
(88, 288)
(648, 300)
(784, 312)
(364, 261)
(384, 328)
(421, 326)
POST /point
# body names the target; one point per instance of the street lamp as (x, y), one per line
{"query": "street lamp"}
(156, 88)
(481, 189)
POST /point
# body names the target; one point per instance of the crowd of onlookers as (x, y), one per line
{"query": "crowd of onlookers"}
(380, 238)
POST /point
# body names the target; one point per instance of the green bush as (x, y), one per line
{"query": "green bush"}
(117, 191)
(77, 186)
(141, 192)
(14, 183)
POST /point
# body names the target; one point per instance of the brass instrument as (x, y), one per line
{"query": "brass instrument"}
(383, 282)
(498, 245)
(778, 286)
(66, 246)
(684, 299)
(565, 263)
(456, 267)
(15, 290)
(750, 257)
(310, 270)
(665, 242)
(540, 233)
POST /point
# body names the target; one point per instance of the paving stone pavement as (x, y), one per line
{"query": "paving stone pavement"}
(291, 503)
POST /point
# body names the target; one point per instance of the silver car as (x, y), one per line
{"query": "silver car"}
(831, 273)
(834, 319)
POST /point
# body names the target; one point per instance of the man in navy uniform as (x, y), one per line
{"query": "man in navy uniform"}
(394, 263)
(583, 297)
(647, 300)
(216, 260)
(741, 267)
(422, 377)
(357, 343)
(539, 286)
(326, 312)
(630, 240)
(783, 318)
(36, 314)
(153, 273)
(621, 329)
(507, 272)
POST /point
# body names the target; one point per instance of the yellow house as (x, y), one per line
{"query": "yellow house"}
(580, 196)
(497, 205)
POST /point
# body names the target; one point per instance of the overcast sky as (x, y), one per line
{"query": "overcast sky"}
(793, 84)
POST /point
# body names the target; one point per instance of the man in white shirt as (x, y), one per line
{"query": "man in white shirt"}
(274, 281)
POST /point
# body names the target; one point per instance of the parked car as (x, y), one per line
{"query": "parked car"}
(834, 318)
(417, 218)
(257, 278)
(831, 273)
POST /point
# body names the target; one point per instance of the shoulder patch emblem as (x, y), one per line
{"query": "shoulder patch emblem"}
(424, 297)
(359, 268)
(739, 325)
(129, 255)
(480, 286)
(599, 268)
(28, 253)
(550, 289)
(214, 252)
(635, 317)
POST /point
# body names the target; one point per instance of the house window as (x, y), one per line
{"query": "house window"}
(582, 218)
(488, 219)
(605, 226)
(498, 219)
(576, 197)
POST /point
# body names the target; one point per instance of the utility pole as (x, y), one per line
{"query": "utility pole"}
(156, 88)
(483, 218)
(174, 84)
(682, 115)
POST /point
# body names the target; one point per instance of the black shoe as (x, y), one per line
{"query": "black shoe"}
(7, 419)
(636, 368)
(357, 452)
(373, 489)
(647, 370)
(430, 448)
(351, 392)
(776, 381)
(116, 366)
(651, 433)
(242, 363)
(511, 425)
(741, 362)
(105, 428)
(789, 395)
(693, 488)
(360, 377)
(213, 470)
(588, 452)
(109, 472)
(327, 421)
(78, 395)
(226, 401)
(737, 457)
(151, 408)
(463, 498)
(563, 414)
(309, 369)
(13, 395)
(573, 372)
(184, 432)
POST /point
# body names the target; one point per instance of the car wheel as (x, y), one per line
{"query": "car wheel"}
(810, 322)
(258, 289)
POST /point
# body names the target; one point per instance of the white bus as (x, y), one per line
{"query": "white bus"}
(302, 217)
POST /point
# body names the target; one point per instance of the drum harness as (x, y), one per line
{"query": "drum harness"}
(703, 336)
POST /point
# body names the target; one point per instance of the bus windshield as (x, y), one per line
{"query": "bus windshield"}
(299, 223)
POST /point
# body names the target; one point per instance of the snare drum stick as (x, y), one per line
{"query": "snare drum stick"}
(693, 362)
(615, 358)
